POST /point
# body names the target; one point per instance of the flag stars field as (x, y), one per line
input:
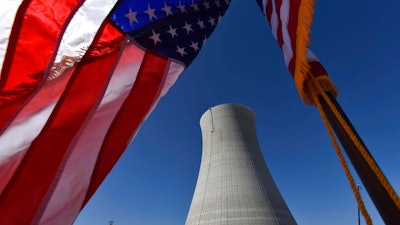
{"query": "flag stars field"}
(139, 14)
(180, 38)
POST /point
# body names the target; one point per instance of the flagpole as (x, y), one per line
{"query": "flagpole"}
(385, 205)
(358, 208)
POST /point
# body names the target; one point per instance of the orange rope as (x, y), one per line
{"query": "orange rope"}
(341, 157)
(302, 67)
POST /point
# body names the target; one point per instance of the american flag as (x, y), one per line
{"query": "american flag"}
(77, 80)
(290, 22)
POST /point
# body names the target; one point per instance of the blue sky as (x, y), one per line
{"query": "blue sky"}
(356, 41)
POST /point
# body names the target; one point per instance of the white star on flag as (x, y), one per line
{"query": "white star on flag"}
(206, 4)
(188, 27)
(180, 50)
(204, 40)
(131, 16)
(195, 6)
(155, 37)
(181, 7)
(212, 21)
(195, 46)
(172, 31)
(150, 12)
(167, 9)
(219, 18)
(201, 24)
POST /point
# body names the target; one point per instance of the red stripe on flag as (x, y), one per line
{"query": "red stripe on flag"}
(27, 124)
(293, 22)
(317, 69)
(39, 168)
(278, 4)
(7, 112)
(69, 194)
(34, 36)
(292, 29)
(268, 12)
(129, 118)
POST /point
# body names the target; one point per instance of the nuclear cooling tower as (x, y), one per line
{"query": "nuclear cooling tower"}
(234, 186)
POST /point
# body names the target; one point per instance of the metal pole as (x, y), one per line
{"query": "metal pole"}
(385, 205)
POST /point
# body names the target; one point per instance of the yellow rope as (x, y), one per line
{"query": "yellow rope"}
(341, 159)
(370, 161)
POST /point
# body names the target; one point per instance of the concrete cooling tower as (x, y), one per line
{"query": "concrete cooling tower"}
(234, 185)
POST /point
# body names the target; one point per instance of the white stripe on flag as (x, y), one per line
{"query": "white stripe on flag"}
(274, 20)
(264, 4)
(8, 10)
(287, 45)
(311, 57)
(68, 196)
(174, 70)
(82, 29)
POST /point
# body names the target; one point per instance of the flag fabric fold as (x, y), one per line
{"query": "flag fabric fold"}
(28, 51)
(78, 78)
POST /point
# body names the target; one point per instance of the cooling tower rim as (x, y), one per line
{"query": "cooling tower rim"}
(226, 105)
